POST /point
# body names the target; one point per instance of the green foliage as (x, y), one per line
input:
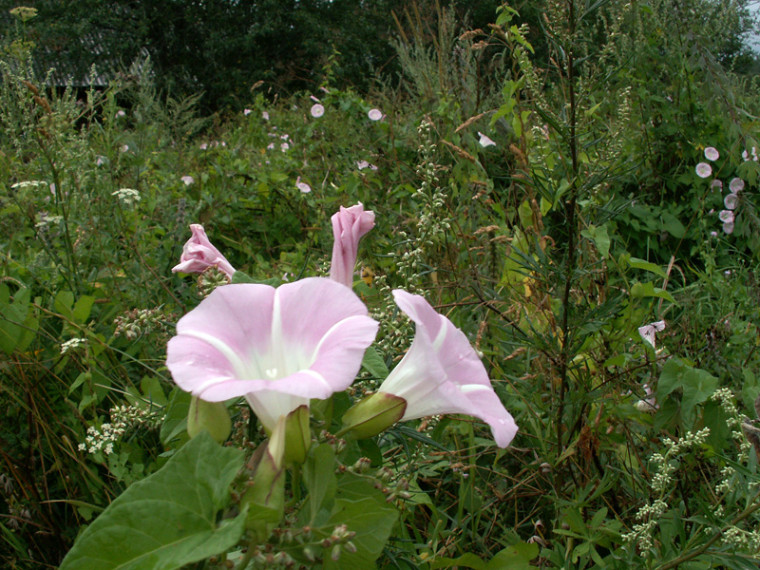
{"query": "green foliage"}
(585, 221)
(169, 519)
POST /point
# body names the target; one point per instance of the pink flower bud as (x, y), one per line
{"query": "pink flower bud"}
(199, 254)
(349, 225)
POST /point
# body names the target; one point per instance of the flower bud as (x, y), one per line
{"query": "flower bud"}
(297, 435)
(210, 416)
(373, 414)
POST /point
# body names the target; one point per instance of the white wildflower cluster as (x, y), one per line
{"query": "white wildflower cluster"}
(138, 322)
(433, 222)
(28, 184)
(72, 344)
(661, 483)
(726, 399)
(127, 196)
(742, 540)
(103, 439)
(44, 220)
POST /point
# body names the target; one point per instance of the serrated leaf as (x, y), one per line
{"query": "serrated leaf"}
(168, 519)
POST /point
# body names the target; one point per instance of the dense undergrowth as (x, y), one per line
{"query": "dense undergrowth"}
(586, 220)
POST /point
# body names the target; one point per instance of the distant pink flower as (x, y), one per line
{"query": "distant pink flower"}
(726, 216)
(736, 185)
(349, 225)
(442, 374)
(120, 113)
(199, 254)
(375, 114)
(711, 153)
(317, 110)
(278, 348)
(647, 332)
(302, 186)
(284, 147)
(246, 112)
(485, 141)
(188, 180)
(100, 160)
(703, 170)
(362, 164)
(714, 234)
(728, 227)
(265, 115)
(270, 146)
(716, 184)
(203, 146)
(730, 201)
(124, 148)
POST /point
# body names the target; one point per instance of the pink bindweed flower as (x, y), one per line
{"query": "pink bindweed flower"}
(726, 216)
(647, 332)
(265, 115)
(730, 201)
(703, 170)
(199, 254)
(278, 348)
(711, 153)
(485, 141)
(349, 225)
(375, 114)
(736, 185)
(187, 180)
(442, 374)
(302, 186)
(246, 112)
(716, 184)
(728, 228)
(284, 147)
(317, 110)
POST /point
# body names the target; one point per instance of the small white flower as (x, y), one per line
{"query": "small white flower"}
(485, 141)
(736, 185)
(362, 164)
(711, 153)
(72, 344)
(120, 113)
(265, 115)
(127, 196)
(317, 110)
(124, 148)
(28, 184)
(302, 186)
(703, 170)
(647, 332)
(375, 114)
(203, 146)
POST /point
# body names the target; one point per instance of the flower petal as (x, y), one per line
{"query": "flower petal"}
(441, 373)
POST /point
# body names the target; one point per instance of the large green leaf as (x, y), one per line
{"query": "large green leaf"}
(168, 519)
(364, 510)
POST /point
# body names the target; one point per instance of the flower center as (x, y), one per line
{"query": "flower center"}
(271, 373)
